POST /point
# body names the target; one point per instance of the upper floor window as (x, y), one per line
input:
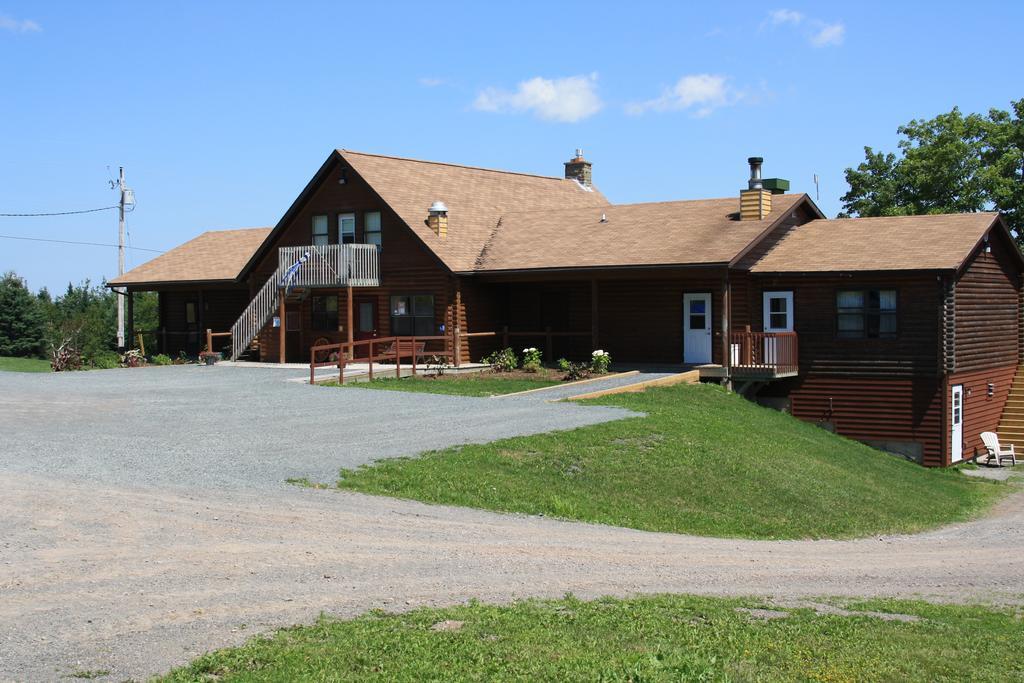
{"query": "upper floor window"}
(346, 228)
(866, 313)
(371, 228)
(320, 235)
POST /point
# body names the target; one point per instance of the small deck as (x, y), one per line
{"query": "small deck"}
(757, 357)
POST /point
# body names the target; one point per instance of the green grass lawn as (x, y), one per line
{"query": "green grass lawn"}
(8, 364)
(468, 384)
(661, 638)
(702, 461)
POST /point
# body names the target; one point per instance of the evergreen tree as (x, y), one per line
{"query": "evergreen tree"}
(22, 319)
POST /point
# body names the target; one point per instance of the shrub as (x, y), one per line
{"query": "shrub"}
(161, 359)
(132, 358)
(577, 371)
(105, 360)
(531, 359)
(600, 361)
(502, 361)
(563, 365)
(65, 357)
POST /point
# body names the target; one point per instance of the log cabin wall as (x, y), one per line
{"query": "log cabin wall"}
(407, 267)
(886, 392)
(217, 308)
(986, 344)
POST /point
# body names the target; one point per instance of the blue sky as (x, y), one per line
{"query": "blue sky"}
(220, 112)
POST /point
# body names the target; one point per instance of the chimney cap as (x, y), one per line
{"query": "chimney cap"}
(438, 207)
(755, 160)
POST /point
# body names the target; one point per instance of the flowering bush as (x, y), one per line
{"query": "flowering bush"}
(600, 361)
(531, 359)
(132, 358)
(502, 361)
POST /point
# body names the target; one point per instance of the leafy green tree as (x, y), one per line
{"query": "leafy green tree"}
(949, 164)
(87, 315)
(22, 319)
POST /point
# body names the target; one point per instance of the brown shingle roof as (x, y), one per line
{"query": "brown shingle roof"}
(661, 233)
(931, 242)
(476, 199)
(214, 255)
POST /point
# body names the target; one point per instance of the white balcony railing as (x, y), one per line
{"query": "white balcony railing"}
(331, 265)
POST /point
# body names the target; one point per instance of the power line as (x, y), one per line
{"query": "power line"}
(58, 213)
(89, 244)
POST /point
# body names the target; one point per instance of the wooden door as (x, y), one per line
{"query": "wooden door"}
(364, 323)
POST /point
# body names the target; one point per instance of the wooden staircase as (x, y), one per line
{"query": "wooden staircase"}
(1011, 424)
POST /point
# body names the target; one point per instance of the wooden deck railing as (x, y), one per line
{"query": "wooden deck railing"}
(379, 349)
(763, 353)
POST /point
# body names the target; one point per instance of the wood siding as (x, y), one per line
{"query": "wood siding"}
(987, 310)
(902, 415)
(981, 411)
(914, 352)
(216, 308)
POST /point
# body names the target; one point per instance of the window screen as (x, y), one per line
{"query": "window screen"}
(866, 313)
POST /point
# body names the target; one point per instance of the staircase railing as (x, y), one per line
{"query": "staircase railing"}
(255, 316)
(329, 265)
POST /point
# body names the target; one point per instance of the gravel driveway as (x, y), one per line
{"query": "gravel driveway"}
(116, 557)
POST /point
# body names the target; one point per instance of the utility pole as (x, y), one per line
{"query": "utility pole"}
(120, 261)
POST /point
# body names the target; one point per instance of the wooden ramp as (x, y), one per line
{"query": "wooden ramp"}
(688, 377)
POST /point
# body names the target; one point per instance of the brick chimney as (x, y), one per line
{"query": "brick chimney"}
(437, 219)
(578, 169)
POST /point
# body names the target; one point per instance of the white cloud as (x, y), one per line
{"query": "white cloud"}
(18, 25)
(828, 34)
(818, 33)
(567, 99)
(428, 82)
(777, 17)
(701, 94)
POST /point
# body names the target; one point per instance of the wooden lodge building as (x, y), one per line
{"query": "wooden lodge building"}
(903, 332)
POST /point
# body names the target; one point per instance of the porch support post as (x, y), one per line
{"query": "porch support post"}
(348, 322)
(725, 347)
(456, 330)
(130, 323)
(593, 316)
(280, 330)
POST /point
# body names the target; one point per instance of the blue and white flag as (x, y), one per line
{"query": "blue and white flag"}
(289, 275)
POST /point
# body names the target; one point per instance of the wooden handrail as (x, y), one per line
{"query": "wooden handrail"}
(396, 353)
(757, 351)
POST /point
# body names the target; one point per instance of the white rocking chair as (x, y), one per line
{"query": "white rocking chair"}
(997, 453)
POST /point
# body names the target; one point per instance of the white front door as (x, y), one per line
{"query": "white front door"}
(696, 328)
(957, 418)
(778, 317)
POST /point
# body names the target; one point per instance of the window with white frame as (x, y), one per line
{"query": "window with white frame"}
(346, 228)
(320, 234)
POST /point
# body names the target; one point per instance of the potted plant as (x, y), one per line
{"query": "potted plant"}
(211, 357)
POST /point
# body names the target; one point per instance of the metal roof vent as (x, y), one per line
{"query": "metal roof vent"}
(438, 207)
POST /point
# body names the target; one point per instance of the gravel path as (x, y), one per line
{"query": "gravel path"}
(129, 572)
(212, 427)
